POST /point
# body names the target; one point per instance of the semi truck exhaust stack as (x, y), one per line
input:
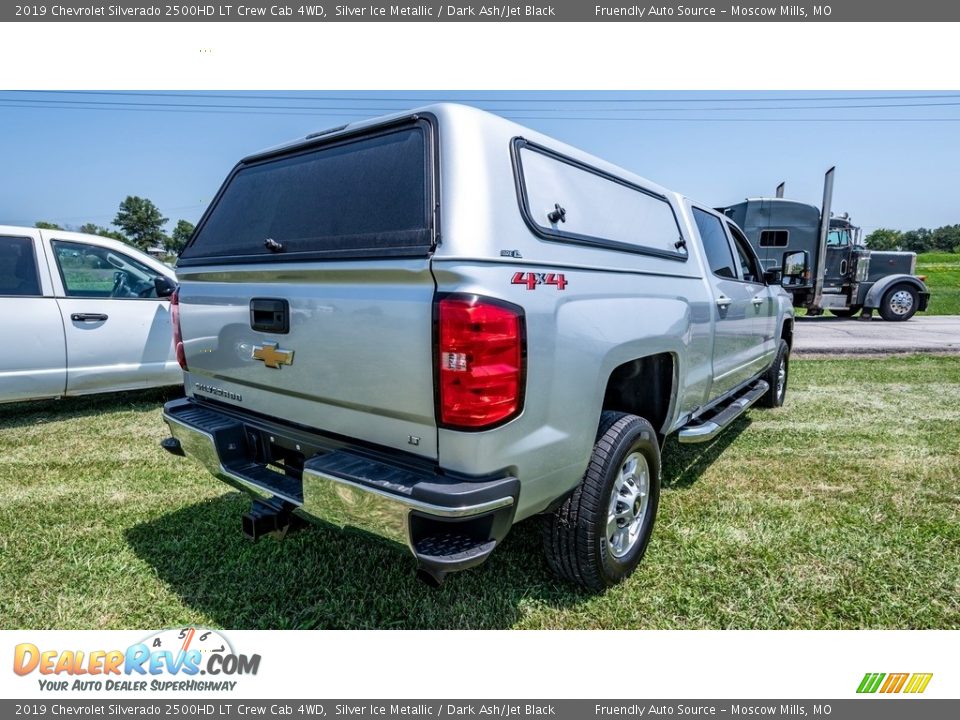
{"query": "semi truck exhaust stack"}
(824, 230)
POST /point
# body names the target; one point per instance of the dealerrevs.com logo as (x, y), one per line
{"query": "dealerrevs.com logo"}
(182, 659)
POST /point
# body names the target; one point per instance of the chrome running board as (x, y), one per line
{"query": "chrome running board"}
(705, 430)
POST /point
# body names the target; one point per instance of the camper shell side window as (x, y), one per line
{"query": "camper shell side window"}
(563, 199)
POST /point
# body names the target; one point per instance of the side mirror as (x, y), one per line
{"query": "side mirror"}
(771, 277)
(795, 268)
(164, 286)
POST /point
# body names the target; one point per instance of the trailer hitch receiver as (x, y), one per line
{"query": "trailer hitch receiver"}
(265, 518)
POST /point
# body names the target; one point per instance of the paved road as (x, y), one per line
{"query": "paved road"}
(852, 335)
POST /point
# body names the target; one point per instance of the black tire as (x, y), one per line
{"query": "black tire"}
(574, 535)
(894, 306)
(845, 313)
(774, 397)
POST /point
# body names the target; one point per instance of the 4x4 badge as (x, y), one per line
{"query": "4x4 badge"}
(272, 356)
(532, 280)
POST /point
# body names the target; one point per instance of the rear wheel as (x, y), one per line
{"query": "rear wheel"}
(777, 377)
(899, 303)
(846, 312)
(600, 533)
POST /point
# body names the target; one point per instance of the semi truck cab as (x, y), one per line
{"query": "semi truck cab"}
(839, 273)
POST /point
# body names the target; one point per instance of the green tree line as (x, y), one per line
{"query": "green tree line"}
(921, 240)
(140, 224)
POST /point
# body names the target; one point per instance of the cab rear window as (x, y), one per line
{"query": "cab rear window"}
(359, 197)
(18, 267)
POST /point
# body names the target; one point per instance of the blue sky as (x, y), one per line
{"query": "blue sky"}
(71, 157)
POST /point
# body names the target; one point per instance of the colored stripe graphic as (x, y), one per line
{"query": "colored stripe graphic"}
(918, 682)
(894, 683)
(870, 683)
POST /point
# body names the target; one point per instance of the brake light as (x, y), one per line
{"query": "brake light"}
(175, 321)
(481, 348)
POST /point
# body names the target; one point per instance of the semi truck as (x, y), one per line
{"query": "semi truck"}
(830, 267)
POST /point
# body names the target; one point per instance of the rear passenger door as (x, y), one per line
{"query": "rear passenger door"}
(32, 354)
(735, 351)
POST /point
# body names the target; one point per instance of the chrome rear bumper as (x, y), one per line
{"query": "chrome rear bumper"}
(422, 509)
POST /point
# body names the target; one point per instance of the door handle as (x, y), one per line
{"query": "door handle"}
(88, 317)
(723, 301)
(758, 300)
(270, 315)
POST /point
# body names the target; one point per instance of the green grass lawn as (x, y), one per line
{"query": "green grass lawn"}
(943, 281)
(841, 510)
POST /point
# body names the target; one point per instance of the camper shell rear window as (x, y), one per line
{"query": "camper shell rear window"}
(566, 200)
(354, 197)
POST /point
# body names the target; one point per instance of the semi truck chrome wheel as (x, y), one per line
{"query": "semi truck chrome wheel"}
(628, 505)
(899, 303)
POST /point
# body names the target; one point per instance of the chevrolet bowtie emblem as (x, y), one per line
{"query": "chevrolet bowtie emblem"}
(272, 356)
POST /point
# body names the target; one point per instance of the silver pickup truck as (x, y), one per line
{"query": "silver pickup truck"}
(434, 325)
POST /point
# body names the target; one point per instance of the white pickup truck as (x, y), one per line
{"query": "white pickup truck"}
(81, 314)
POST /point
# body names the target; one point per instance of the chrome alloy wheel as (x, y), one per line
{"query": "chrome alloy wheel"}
(781, 377)
(628, 505)
(901, 302)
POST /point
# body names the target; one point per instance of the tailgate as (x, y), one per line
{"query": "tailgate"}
(335, 234)
(355, 361)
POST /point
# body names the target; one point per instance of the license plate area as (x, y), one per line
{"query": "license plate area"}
(278, 454)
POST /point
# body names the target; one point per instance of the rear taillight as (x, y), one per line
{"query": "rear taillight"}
(175, 321)
(480, 362)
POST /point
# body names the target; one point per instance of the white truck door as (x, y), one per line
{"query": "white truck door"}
(734, 344)
(118, 333)
(32, 354)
